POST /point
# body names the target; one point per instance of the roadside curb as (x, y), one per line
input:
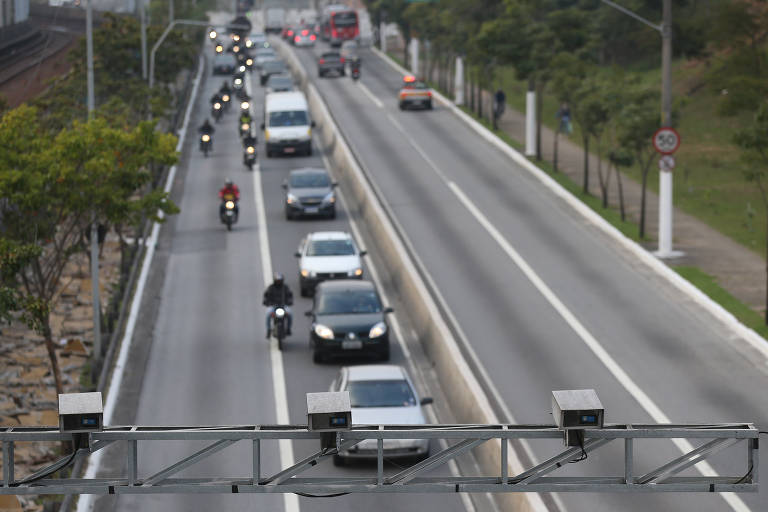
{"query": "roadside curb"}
(682, 284)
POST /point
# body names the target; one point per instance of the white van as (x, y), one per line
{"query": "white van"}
(287, 125)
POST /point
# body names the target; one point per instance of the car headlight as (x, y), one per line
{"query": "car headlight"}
(330, 198)
(324, 332)
(357, 272)
(304, 272)
(377, 330)
(250, 150)
(290, 199)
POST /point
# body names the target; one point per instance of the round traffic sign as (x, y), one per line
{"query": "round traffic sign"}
(666, 140)
(666, 163)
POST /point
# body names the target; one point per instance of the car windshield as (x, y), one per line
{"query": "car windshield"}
(331, 248)
(344, 19)
(225, 59)
(288, 118)
(415, 85)
(331, 55)
(280, 82)
(380, 393)
(274, 65)
(310, 180)
(346, 302)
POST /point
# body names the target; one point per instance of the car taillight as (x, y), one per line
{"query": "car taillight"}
(312, 37)
(429, 94)
(304, 32)
(322, 61)
(290, 33)
(342, 60)
(297, 39)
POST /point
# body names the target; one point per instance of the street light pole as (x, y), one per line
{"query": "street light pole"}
(143, 20)
(665, 175)
(94, 228)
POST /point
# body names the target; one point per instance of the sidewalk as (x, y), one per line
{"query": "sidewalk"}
(737, 269)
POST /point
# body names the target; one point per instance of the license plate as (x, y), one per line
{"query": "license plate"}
(311, 209)
(289, 150)
(351, 344)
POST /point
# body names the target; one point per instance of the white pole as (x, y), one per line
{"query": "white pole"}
(530, 123)
(665, 214)
(415, 56)
(458, 88)
(143, 18)
(383, 36)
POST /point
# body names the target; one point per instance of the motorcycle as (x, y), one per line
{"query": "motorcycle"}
(238, 83)
(228, 211)
(249, 157)
(216, 111)
(355, 74)
(245, 128)
(226, 101)
(278, 325)
(205, 143)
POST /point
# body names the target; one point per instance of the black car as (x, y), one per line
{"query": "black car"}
(309, 192)
(224, 64)
(348, 320)
(330, 62)
(269, 68)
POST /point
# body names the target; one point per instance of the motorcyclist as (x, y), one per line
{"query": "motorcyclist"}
(278, 294)
(231, 189)
(249, 140)
(206, 127)
(225, 88)
(245, 118)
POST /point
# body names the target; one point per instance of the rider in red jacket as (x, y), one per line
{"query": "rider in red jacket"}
(229, 189)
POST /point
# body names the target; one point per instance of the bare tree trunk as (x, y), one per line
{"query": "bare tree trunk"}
(51, 348)
(586, 164)
(621, 194)
(554, 149)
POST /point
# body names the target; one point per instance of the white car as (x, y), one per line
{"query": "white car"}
(382, 395)
(325, 255)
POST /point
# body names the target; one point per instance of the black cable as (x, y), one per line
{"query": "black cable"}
(583, 452)
(53, 468)
(306, 495)
(747, 475)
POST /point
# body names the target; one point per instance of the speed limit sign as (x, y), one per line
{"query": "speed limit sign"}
(666, 141)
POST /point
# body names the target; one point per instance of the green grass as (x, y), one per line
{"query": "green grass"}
(708, 181)
(714, 291)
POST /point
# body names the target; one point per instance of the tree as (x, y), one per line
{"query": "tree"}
(53, 186)
(753, 140)
(635, 126)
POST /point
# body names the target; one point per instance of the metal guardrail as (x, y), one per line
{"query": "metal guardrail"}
(710, 438)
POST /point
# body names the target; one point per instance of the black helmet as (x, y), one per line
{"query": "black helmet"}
(228, 182)
(278, 279)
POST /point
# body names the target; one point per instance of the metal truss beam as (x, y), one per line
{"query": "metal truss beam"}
(665, 478)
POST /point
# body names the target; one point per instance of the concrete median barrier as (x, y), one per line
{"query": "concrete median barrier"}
(468, 401)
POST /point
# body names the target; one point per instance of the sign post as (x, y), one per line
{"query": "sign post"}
(666, 141)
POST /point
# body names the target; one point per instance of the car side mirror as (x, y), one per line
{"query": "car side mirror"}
(297, 254)
(312, 124)
(427, 400)
(388, 310)
(363, 253)
(262, 126)
(308, 313)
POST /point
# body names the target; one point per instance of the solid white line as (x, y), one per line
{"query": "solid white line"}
(617, 371)
(290, 501)
(418, 149)
(453, 466)
(86, 502)
(370, 95)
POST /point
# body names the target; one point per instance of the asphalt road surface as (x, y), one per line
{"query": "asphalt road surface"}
(208, 361)
(590, 317)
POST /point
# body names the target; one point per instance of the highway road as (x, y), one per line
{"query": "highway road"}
(546, 300)
(205, 356)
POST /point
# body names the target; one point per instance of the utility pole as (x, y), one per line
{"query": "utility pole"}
(665, 175)
(170, 11)
(143, 20)
(94, 228)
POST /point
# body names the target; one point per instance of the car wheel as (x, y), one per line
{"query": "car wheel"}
(332, 214)
(402, 106)
(309, 150)
(339, 461)
(320, 74)
(429, 106)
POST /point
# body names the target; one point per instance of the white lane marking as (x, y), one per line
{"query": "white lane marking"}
(86, 502)
(454, 467)
(617, 371)
(370, 95)
(418, 149)
(290, 501)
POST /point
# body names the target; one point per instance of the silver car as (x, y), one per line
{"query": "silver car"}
(382, 394)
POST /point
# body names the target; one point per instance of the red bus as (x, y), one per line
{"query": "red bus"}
(339, 23)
